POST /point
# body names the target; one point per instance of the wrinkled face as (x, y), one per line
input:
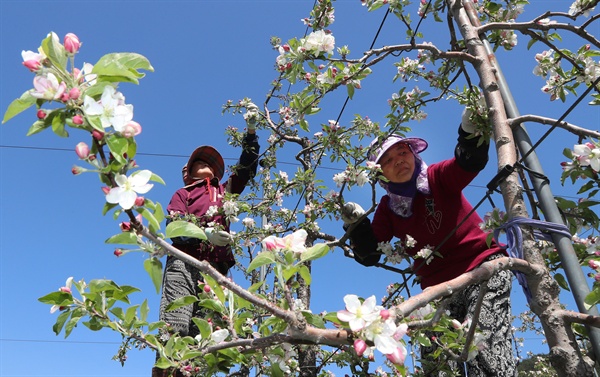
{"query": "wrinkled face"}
(398, 163)
(201, 170)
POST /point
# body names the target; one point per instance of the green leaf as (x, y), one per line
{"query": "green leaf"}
(153, 267)
(215, 287)
(159, 213)
(315, 252)
(57, 298)
(156, 178)
(562, 282)
(204, 327)
(58, 124)
(181, 302)
(314, 319)
(182, 228)
(153, 223)
(290, 271)
(123, 238)
(263, 258)
(144, 310)
(122, 66)
(305, 274)
(55, 51)
(71, 324)
(38, 126)
(60, 322)
(592, 299)
(163, 363)
(303, 124)
(332, 317)
(213, 305)
(424, 340)
(118, 147)
(350, 89)
(18, 106)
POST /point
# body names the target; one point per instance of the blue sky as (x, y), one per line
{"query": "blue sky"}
(204, 53)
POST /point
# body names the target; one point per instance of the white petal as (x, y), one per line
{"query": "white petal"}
(140, 178)
(385, 344)
(127, 199)
(143, 189)
(121, 180)
(114, 195)
(219, 335)
(352, 303)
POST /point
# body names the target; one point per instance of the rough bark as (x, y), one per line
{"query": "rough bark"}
(564, 353)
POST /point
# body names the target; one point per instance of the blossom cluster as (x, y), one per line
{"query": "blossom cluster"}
(374, 323)
(585, 155)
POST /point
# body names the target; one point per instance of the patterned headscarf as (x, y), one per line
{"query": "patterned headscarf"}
(402, 194)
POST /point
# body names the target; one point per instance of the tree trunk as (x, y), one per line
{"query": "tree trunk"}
(564, 353)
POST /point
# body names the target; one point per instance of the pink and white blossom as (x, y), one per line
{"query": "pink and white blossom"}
(294, 242)
(32, 60)
(47, 87)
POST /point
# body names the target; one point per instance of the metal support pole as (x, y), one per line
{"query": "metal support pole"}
(575, 277)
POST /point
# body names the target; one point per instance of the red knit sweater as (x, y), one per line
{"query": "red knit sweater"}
(434, 217)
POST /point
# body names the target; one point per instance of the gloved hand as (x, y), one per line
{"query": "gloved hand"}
(251, 115)
(351, 212)
(218, 237)
(465, 122)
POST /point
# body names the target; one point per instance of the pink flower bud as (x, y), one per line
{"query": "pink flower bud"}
(105, 190)
(118, 252)
(72, 43)
(74, 93)
(360, 346)
(64, 97)
(398, 356)
(384, 314)
(82, 150)
(76, 170)
(131, 129)
(32, 65)
(65, 289)
(78, 119)
(139, 201)
(206, 288)
(286, 48)
(97, 135)
(41, 114)
(125, 226)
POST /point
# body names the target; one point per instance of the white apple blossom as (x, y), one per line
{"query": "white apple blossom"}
(410, 242)
(219, 335)
(319, 41)
(340, 178)
(128, 188)
(426, 253)
(381, 333)
(111, 109)
(362, 178)
(212, 211)
(249, 222)
(357, 314)
(231, 210)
